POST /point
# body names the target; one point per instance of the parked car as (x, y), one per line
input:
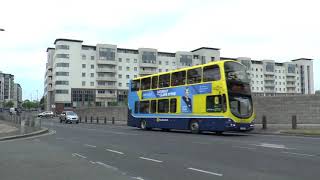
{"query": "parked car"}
(46, 114)
(69, 117)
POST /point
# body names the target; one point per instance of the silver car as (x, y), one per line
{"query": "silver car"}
(69, 117)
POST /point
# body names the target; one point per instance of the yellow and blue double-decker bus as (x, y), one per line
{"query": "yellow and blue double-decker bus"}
(210, 97)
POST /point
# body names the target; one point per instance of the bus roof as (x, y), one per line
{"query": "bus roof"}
(186, 68)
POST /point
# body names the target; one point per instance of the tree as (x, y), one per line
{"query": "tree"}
(9, 104)
(27, 104)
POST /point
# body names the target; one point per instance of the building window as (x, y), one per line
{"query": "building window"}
(92, 57)
(120, 59)
(135, 60)
(65, 56)
(213, 58)
(167, 70)
(120, 68)
(119, 84)
(83, 65)
(66, 47)
(135, 68)
(92, 66)
(128, 60)
(84, 57)
(83, 74)
(185, 60)
(128, 76)
(62, 65)
(83, 83)
(256, 76)
(261, 88)
(279, 89)
(106, 54)
(149, 57)
(91, 83)
(252, 88)
(167, 63)
(135, 76)
(159, 62)
(62, 91)
(62, 83)
(120, 76)
(92, 74)
(127, 84)
(62, 73)
(128, 68)
(261, 69)
(160, 70)
(256, 69)
(261, 76)
(261, 82)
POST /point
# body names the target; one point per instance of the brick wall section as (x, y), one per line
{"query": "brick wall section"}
(119, 113)
(279, 109)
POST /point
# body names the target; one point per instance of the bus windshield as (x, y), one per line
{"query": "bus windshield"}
(235, 72)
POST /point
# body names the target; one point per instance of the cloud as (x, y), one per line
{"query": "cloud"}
(279, 30)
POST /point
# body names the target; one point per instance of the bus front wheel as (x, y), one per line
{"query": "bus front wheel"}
(194, 127)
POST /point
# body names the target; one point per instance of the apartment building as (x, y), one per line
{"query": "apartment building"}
(271, 78)
(80, 75)
(7, 88)
(84, 75)
(17, 95)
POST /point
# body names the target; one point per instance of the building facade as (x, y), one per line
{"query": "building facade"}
(84, 75)
(17, 95)
(271, 78)
(7, 89)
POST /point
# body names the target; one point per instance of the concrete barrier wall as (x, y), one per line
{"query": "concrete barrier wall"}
(278, 110)
(119, 113)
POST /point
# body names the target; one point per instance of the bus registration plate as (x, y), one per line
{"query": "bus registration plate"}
(243, 128)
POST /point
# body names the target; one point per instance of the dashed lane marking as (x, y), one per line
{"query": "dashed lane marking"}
(89, 145)
(79, 155)
(299, 154)
(149, 159)
(114, 151)
(207, 172)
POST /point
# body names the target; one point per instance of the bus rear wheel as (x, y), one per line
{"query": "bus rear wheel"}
(194, 127)
(143, 125)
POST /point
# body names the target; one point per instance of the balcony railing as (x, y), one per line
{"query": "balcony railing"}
(112, 70)
(269, 78)
(107, 62)
(106, 95)
(148, 65)
(269, 84)
(106, 78)
(106, 87)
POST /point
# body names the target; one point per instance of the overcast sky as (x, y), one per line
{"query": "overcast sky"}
(270, 29)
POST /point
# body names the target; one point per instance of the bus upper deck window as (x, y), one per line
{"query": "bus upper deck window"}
(135, 85)
(211, 73)
(154, 82)
(164, 80)
(145, 83)
(178, 78)
(194, 75)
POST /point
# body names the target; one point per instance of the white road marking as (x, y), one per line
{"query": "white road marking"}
(59, 138)
(243, 147)
(300, 154)
(89, 145)
(107, 166)
(207, 172)
(114, 151)
(149, 159)
(92, 162)
(79, 155)
(276, 146)
(138, 178)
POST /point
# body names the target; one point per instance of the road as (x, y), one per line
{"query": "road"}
(90, 151)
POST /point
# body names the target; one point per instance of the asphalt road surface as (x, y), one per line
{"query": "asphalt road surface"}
(90, 151)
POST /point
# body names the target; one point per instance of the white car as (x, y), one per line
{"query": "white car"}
(69, 117)
(46, 114)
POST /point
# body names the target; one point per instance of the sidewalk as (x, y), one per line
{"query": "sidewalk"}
(8, 129)
(286, 129)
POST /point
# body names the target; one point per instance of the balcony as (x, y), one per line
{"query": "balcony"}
(291, 75)
(291, 85)
(107, 62)
(106, 86)
(106, 78)
(291, 79)
(111, 70)
(153, 65)
(269, 78)
(106, 95)
(269, 84)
